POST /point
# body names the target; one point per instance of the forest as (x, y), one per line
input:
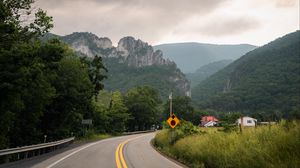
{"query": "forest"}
(47, 89)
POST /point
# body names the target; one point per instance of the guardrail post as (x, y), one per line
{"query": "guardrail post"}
(25, 155)
(6, 159)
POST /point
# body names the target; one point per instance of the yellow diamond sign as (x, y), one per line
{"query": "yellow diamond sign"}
(173, 121)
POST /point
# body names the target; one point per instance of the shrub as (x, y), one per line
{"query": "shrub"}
(264, 146)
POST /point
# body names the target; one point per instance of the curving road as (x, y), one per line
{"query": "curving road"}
(132, 151)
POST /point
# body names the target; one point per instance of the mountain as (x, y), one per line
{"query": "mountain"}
(205, 71)
(191, 56)
(264, 81)
(132, 63)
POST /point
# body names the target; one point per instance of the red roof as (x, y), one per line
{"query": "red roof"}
(209, 118)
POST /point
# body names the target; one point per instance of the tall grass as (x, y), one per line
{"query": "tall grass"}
(265, 146)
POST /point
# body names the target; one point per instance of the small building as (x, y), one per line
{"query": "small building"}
(247, 121)
(209, 121)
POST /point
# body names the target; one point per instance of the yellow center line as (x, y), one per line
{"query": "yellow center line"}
(117, 157)
(119, 153)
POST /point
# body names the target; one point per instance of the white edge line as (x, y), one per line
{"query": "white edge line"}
(65, 157)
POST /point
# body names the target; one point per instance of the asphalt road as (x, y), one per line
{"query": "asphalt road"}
(132, 151)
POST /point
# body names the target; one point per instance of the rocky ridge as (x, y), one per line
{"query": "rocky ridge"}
(132, 63)
(131, 51)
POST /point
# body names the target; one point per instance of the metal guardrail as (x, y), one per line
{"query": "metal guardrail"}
(34, 147)
(40, 148)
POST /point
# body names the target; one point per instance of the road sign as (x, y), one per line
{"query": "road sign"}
(173, 121)
(87, 122)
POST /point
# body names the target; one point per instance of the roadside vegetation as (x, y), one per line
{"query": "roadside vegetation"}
(92, 136)
(47, 89)
(265, 146)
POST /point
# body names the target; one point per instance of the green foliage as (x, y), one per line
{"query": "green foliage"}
(15, 30)
(110, 113)
(118, 113)
(274, 146)
(24, 85)
(142, 104)
(182, 108)
(264, 82)
(184, 129)
(91, 135)
(166, 138)
(72, 102)
(96, 69)
(123, 77)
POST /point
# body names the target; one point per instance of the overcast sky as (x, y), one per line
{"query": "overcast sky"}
(168, 21)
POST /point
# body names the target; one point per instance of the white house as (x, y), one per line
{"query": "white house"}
(247, 121)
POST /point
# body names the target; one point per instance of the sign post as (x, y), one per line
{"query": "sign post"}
(86, 122)
(170, 97)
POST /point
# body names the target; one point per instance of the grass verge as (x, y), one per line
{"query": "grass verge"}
(265, 146)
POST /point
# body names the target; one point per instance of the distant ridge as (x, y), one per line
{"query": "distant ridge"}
(265, 80)
(191, 56)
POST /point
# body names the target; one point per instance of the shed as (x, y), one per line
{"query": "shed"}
(247, 121)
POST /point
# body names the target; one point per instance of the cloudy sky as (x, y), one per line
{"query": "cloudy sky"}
(168, 21)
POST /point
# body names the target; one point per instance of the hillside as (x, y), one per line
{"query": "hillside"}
(264, 81)
(191, 56)
(205, 71)
(131, 63)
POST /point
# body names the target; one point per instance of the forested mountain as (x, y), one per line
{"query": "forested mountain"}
(191, 56)
(264, 81)
(132, 63)
(205, 71)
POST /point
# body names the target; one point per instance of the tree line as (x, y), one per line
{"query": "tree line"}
(47, 89)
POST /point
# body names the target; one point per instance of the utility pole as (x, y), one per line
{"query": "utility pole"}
(170, 97)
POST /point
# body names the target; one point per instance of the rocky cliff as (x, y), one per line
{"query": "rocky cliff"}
(131, 63)
(133, 52)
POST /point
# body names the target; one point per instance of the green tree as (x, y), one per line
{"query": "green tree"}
(118, 113)
(23, 84)
(72, 102)
(182, 108)
(13, 29)
(142, 104)
(96, 72)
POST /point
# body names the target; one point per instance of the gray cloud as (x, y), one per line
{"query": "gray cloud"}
(161, 21)
(146, 19)
(231, 26)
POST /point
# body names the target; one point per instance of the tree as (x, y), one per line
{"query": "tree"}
(23, 85)
(142, 104)
(182, 108)
(118, 113)
(25, 90)
(15, 30)
(72, 101)
(96, 74)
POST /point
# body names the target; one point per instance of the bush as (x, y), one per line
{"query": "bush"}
(168, 136)
(264, 146)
